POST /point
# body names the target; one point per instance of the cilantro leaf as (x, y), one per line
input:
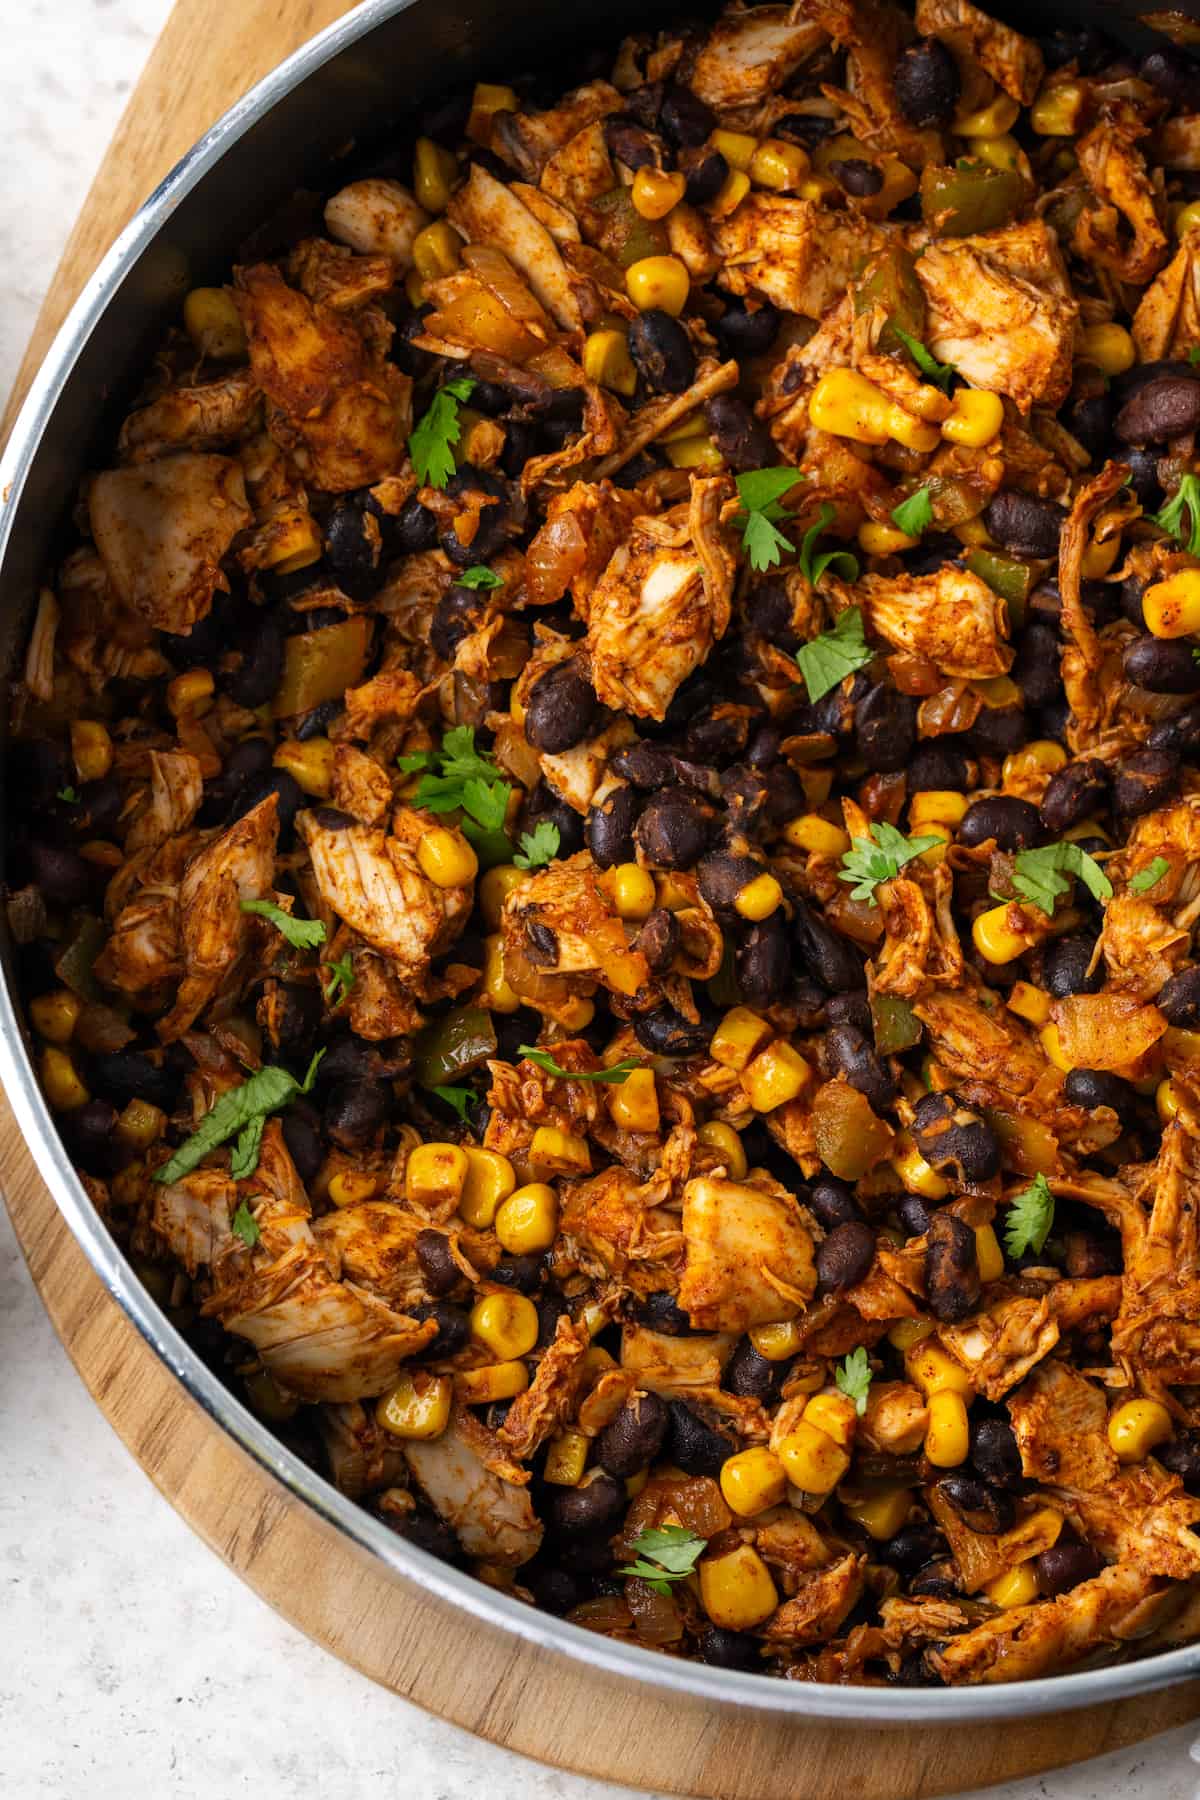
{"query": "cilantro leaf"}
(460, 759)
(879, 857)
(1041, 876)
(69, 795)
(480, 577)
(440, 427)
(761, 489)
(245, 1225)
(486, 802)
(914, 515)
(664, 1553)
(763, 541)
(539, 846)
(341, 979)
(1147, 878)
(467, 781)
(828, 659)
(1186, 498)
(416, 761)
(264, 1092)
(460, 1098)
(244, 1159)
(301, 934)
(1029, 1218)
(1194, 354)
(544, 1060)
(941, 374)
(853, 1377)
(812, 567)
(761, 492)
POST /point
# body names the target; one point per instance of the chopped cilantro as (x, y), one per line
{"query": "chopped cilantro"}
(460, 1098)
(301, 934)
(665, 1553)
(245, 1225)
(439, 429)
(813, 566)
(941, 374)
(828, 659)
(1029, 1218)
(761, 492)
(1041, 876)
(480, 577)
(1186, 498)
(539, 846)
(619, 1071)
(853, 1377)
(341, 979)
(264, 1092)
(1149, 876)
(914, 515)
(878, 858)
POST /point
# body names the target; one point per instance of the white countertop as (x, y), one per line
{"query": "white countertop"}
(135, 1666)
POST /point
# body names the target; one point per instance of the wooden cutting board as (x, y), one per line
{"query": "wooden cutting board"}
(209, 54)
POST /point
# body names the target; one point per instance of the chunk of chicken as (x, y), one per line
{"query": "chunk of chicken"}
(529, 140)
(477, 1490)
(176, 790)
(1158, 1326)
(1051, 1635)
(337, 277)
(749, 1256)
(794, 253)
(567, 902)
(578, 174)
(822, 1600)
(162, 529)
(979, 1557)
(974, 1042)
(662, 602)
(205, 417)
(374, 1246)
(1013, 61)
(952, 617)
(669, 1365)
(486, 211)
(1000, 308)
(1122, 232)
(377, 217)
(1140, 946)
(749, 55)
(1142, 1517)
(549, 1400)
(1000, 1344)
(1167, 321)
(874, 35)
(921, 950)
(1061, 1422)
(361, 786)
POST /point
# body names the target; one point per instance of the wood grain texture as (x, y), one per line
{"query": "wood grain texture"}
(508, 1692)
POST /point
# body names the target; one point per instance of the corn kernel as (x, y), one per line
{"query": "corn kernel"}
(91, 749)
(656, 191)
(141, 1124)
(1001, 152)
(350, 1187)
(752, 1480)
(737, 147)
(417, 1407)
(435, 172)
(576, 1013)
(989, 1254)
(1109, 346)
(759, 898)
(1058, 109)
(309, 761)
(1052, 1044)
(947, 1436)
(1187, 219)
(607, 362)
(60, 1080)
(566, 1459)
(881, 1513)
(777, 1342)
(934, 1371)
(1028, 1002)
(725, 1140)
(488, 99)
(1166, 1101)
(1137, 1427)
(506, 1324)
(190, 692)
(696, 453)
(527, 1222)
(736, 1590)
(816, 835)
(775, 1076)
(820, 189)
(730, 194)
(907, 1332)
(499, 1381)
(295, 542)
(811, 1459)
(996, 938)
(974, 419)
(990, 121)
(489, 1180)
(495, 991)
(936, 806)
(917, 1175)
(634, 1104)
(1042, 757)
(435, 1174)
(846, 404)
(1098, 558)
(834, 1413)
(212, 321)
(1016, 1587)
(55, 1015)
(436, 250)
(658, 283)
(556, 1152)
(446, 858)
(495, 885)
(1172, 607)
(268, 1399)
(883, 540)
(778, 165)
(632, 891)
(740, 1033)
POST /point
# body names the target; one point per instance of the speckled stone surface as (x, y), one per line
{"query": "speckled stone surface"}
(133, 1665)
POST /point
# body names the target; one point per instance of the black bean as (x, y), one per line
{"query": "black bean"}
(998, 730)
(523, 1273)
(769, 612)
(1036, 669)
(609, 829)
(61, 875)
(851, 1009)
(885, 728)
(675, 829)
(597, 1502)
(762, 962)
(1088, 1255)
(1180, 735)
(937, 767)
(1065, 1564)
(332, 818)
(634, 1438)
(87, 1133)
(1091, 1088)
(743, 441)
(1167, 407)
(354, 1112)
(954, 1140)
(1182, 1457)
(659, 940)
(631, 143)
(844, 1258)
(659, 1312)
(1025, 526)
(1145, 780)
(684, 116)
(832, 1202)
(439, 1270)
(260, 671)
(1065, 965)
(550, 1309)
(913, 1214)
(414, 528)
(995, 1453)
(834, 712)
(453, 1327)
(1179, 998)
(716, 736)
(951, 1268)
(125, 1075)
(553, 1590)
(706, 172)
(911, 1548)
(1175, 75)
(662, 352)
(1073, 794)
(809, 129)
(936, 1581)
(828, 957)
(722, 876)
(1089, 420)
(744, 332)
(289, 798)
(862, 179)
(724, 1649)
(544, 803)
(350, 549)
(645, 765)
(692, 1444)
(249, 758)
(751, 1375)
(926, 83)
(541, 944)
(294, 1016)
(561, 709)
(980, 1506)
(851, 1055)
(496, 523)
(1013, 823)
(562, 416)
(1162, 665)
(303, 1140)
(1090, 48)
(666, 1032)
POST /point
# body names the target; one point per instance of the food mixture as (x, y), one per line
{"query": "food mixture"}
(605, 837)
